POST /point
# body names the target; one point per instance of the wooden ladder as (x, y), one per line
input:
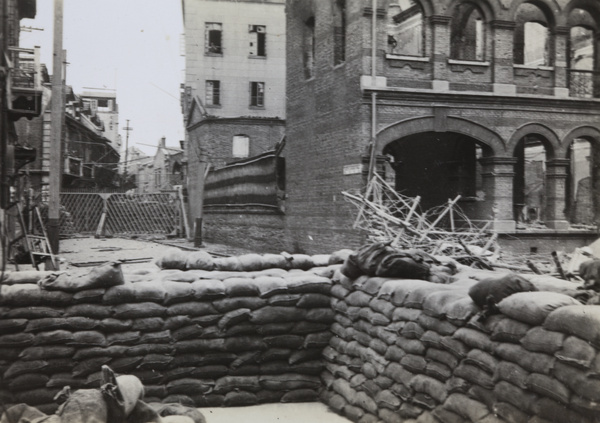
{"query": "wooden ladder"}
(36, 245)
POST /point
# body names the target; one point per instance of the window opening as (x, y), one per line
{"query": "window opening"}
(339, 32)
(258, 40)
(531, 40)
(405, 28)
(583, 65)
(241, 146)
(468, 33)
(213, 93)
(580, 187)
(308, 53)
(257, 94)
(213, 35)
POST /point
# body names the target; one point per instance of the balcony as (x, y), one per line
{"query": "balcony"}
(584, 83)
(24, 83)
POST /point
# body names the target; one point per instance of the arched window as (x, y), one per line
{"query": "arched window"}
(339, 31)
(582, 55)
(405, 34)
(468, 33)
(240, 146)
(532, 42)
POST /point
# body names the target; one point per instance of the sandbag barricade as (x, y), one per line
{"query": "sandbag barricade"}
(195, 337)
(414, 351)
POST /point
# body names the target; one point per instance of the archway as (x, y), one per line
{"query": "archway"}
(437, 166)
(580, 183)
(529, 184)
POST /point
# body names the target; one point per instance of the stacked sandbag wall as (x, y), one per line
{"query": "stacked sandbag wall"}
(415, 351)
(196, 337)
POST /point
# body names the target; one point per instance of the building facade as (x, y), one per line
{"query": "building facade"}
(497, 101)
(233, 98)
(88, 158)
(104, 105)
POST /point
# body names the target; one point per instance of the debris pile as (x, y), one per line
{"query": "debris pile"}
(387, 216)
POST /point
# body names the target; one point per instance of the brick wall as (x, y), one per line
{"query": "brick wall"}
(258, 231)
(324, 133)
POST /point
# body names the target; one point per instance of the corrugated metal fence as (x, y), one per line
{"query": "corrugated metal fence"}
(123, 213)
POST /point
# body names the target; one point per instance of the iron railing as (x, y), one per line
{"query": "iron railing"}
(584, 83)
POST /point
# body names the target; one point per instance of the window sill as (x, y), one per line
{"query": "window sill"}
(256, 107)
(212, 106)
(252, 56)
(407, 58)
(468, 62)
(544, 68)
(206, 53)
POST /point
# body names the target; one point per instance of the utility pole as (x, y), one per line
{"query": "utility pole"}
(57, 113)
(127, 128)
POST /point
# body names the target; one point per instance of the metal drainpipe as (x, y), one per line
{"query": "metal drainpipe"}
(373, 93)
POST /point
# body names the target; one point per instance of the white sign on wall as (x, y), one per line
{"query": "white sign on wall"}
(353, 169)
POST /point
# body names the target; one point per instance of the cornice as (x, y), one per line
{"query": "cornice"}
(245, 120)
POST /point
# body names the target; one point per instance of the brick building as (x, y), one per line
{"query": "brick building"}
(458, 96)
(233, 97)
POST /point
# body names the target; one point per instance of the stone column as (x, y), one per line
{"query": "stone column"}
(556, 191)
(441, 49)
(561, 61)
(498, 174)
(502, 66)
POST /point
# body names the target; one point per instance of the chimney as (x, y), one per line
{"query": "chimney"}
(162, 143)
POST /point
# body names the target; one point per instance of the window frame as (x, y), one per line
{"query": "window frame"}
(245, 147)
(217, 94)
(218, 49)
(260, 40)
(257, 96)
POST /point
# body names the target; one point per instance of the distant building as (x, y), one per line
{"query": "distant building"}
(104, 105)
(234, 92)
(89, 159)
(161, 173)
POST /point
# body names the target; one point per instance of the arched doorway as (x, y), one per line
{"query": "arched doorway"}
(580, 182)
(529, 185)
(439, 166)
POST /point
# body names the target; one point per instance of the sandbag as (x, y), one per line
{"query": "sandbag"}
(541, 340)
(533, 307)
(173, 258)
(576, 352)
(104, 276)
(199, 260)
(582, 321)
(489, 292)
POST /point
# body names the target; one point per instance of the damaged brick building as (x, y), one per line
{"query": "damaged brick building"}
(494, 100)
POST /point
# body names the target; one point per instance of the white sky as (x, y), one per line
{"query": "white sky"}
(132, 46)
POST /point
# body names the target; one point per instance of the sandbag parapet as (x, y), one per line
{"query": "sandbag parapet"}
(413, 350)
(195, 337)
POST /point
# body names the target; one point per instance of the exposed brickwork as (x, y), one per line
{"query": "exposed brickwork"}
(329, 116)
(259, 232)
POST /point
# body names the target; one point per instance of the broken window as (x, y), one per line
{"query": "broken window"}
(582, 55)
(531, 41)
(339, 31)
(213, 38)
(241, 146)
(257, 94)
(258, 40)
(213, 93)
(468, 33)
(308, 46)
(405, 33)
